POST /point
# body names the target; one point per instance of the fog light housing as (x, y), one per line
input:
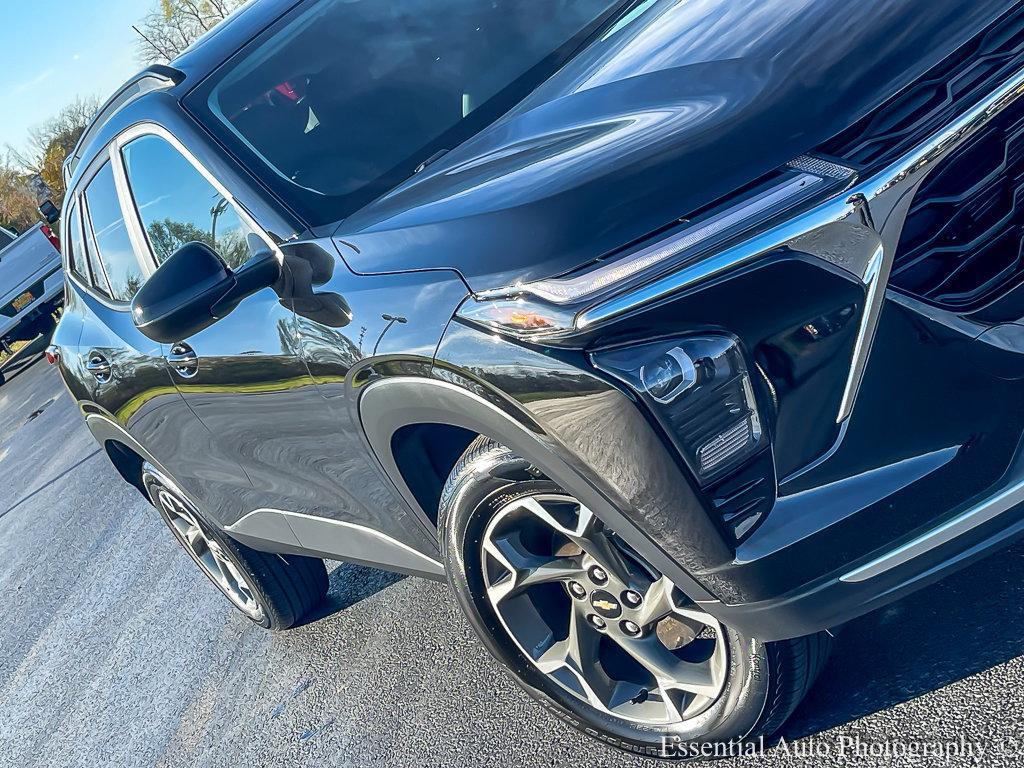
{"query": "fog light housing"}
(700, 390)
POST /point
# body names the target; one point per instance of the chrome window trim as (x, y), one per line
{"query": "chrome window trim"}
(85, 285)
(129, 213)
(89, 234)
(153, 129)
(85, 216)
(71, 206)
(96, 295)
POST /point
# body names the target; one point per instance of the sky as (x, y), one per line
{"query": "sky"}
(52, 52)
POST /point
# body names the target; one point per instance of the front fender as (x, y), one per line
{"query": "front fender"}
(390, 404)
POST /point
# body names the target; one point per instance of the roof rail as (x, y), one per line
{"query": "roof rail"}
(153, 78)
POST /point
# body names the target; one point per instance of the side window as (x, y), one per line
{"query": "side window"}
(74, 248)
(178, 205)
(99, 277)
(113, 247)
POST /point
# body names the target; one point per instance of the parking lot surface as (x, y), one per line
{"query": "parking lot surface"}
(115, 650)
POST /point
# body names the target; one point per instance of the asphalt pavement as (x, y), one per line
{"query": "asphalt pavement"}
(115, 651)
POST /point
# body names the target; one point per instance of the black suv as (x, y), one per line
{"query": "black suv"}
(671, 334)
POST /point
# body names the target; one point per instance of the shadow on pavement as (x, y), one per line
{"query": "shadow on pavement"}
(25, 356)
(348, 585)
(966, 624)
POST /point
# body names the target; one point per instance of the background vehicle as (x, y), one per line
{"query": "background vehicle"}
(640, 326)
(31, 284)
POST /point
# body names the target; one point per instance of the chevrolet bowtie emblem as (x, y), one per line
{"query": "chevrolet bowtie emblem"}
(605, 604)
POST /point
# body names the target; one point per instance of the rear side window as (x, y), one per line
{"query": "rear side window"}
(98, 276)
(74, 246)
(113, 247)
(178, 205)
(345, 98)
(6, 238)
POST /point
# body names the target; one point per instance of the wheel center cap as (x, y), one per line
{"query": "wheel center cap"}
(606, 604)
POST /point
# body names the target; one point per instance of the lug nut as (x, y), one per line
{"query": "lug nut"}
(631, 628)
(577, 590)
(596, 621)
(632, 598)
(598, 575)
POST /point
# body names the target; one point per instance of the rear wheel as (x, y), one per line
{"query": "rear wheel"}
(593, 631)
(274, 591)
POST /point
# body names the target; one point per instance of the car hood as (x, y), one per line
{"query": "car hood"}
(678, 105)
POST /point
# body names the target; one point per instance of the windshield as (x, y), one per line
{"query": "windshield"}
(348, 97)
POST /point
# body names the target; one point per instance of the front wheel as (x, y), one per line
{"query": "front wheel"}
(273, 591)
(593, 631)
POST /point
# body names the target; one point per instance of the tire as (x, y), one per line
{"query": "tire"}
(274, 591)
(760, 683)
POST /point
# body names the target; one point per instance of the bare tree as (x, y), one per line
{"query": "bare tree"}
(17, 202)
(173, 25)
(51, 142)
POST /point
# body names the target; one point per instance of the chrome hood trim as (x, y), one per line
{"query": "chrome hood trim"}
(857, 232)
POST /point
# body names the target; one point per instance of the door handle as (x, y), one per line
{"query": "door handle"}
(183, 360)
(99, 366)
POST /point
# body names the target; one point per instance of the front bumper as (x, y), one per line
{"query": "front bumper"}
(839, 598)
(928, 502)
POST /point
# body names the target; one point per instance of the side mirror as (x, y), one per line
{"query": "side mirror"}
(49, 211)
(193, 289)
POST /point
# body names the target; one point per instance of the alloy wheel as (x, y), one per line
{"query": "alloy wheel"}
(208, 554)
(595, 618)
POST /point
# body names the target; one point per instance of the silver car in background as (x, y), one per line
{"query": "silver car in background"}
(31, 284)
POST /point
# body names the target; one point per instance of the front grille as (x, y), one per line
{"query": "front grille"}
(961, 246)
(954, 85)
(962, 243)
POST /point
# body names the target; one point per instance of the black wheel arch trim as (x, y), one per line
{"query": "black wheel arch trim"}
(105, 429)
(387, 405)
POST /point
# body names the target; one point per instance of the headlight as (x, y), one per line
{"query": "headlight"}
(700, 390)
(669, 376)
(548, 308)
